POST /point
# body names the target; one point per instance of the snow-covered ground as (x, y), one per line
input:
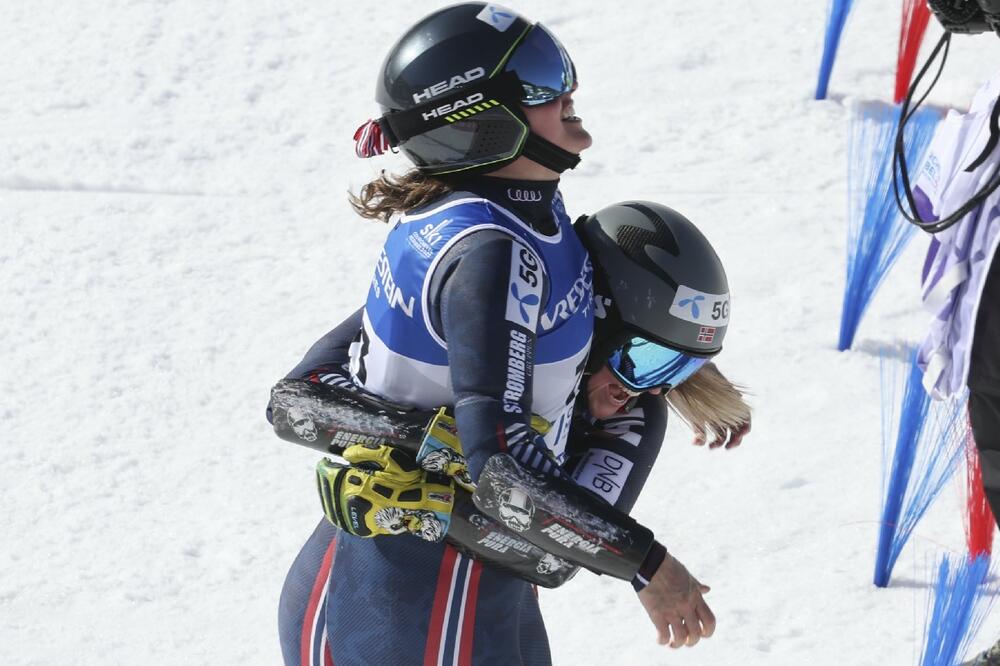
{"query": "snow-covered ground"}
(174, 233)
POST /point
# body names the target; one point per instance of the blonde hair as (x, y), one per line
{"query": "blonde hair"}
(389, 194)
(709, 403)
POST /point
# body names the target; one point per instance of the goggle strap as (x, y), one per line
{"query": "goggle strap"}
(548, 154)
(386, 130)
(398, 126)
(370, 139)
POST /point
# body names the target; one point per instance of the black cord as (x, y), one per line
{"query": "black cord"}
(993, 140)
(899, 168)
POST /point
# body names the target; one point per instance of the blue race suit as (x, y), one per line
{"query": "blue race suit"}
(454, 317)
(611, 458)
(516, 292)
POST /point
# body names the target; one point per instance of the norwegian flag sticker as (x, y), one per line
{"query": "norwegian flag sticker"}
(706, 334)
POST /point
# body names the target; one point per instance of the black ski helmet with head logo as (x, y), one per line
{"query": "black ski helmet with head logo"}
(655, 276)
(451, 87)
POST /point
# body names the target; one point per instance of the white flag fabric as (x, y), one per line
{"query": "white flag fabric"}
(959, 257)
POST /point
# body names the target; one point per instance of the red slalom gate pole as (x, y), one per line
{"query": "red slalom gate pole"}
(916, 14)
(979, 521)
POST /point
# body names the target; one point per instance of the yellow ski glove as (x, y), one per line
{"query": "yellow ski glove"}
(384, 491)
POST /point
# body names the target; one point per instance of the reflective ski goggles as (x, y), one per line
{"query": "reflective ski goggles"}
(543, 66)
(641, 365)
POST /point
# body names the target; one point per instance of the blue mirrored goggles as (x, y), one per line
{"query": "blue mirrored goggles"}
(543, 66)
(641, 365)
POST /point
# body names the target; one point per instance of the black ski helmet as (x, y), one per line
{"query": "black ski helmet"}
(655, 276)
(450, 90)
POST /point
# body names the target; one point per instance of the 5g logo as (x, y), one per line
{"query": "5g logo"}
(525, 290)
(700, 307)
(528, 267)
(720, 310)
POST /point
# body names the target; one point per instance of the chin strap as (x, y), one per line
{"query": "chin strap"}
(548, 154)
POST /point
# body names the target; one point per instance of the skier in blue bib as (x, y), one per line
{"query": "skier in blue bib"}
(481, 300)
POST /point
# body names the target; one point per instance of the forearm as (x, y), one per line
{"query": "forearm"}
(326, 361)
(330, 354)
(561, 518)
(491, 339)
(613, 458)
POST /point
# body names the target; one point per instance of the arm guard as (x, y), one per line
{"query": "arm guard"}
(561, 518)
(331, 418)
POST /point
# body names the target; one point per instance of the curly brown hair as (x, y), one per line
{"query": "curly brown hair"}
(389, 194)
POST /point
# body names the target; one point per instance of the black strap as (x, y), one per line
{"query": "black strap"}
(654, 558)
(992, 142)
(548, 154)
(398, 126)
(334, 499)
(899, 170)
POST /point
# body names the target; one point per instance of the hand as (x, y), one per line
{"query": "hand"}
(673, 600)
(723, 435)
(441, 451)
(383, 492)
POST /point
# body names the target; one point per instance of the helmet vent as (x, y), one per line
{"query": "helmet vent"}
(491, 138)
(634, 242)
(635, 239)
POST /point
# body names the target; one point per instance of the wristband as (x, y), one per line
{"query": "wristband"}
(654, 558)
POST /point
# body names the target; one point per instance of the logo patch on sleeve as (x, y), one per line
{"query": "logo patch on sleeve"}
(604, 473)
(699, 307)
(524, 288)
